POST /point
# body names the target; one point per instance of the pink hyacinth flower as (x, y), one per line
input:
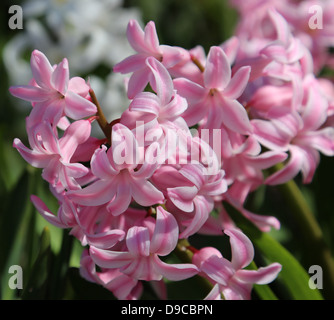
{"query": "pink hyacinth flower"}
(146, 44)
(54, 155)
(121, 178)
(229, 277)
(141, 260)
(216, 100)
(53, 93)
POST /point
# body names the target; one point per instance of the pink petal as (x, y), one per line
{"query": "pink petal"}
(214, 294)
(105, 240)
(214, 265)
(78, 86)
(263, 275)
(34, 158)
(144, 193)
(231, 47)
(268, 135)
(136, 36)
(122, 199)
(194, 173)
(46, 213)
(99, 192)
(321, 140)
(175, 272)
(109, 259)
(173, 55)
(60, 77)
(30, 93)
(145, 102)
(290, 170)
(201, 214)
(241, 247)
(161, 81)
(192, 91)
(131, 64)
(235, 116)
(238, 83)
(138, 241)
(182, 197)
(151, 37)
(138, 82)
(217, 73)
(41, 69)
(166, 233)
(77, 107)
(281, 26)
(77, 133)
(100, 164)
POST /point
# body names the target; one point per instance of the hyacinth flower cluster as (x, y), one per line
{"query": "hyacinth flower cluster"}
(200, 131)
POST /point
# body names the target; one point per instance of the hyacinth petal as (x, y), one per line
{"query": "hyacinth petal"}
(130, 64)
(267, 159)
(29, 93)
(214, 294)
(105, 240)
(46, 213)
(77, 133)
(36, 159)
(268, 135)
(100, 164)
(263, 275)
(192, 91)
(182, 197)
(138, 241)
(145, 193)
(122, 199)
(194, 173)
(290, 170)
(79, 86)
(146, 102)
(60, 77)
(241, 247)
(77, 107)
(217, 73)
(195, 113)
(281, 26)
(151, 37)
(238, 83)
(122, 286)
(235, 116)
(175, 272)
(166, 233)
(138, 81)
(201, 214)
(136, 36)
(173, 55)
(110, 259)
(321, 140)
(161, 81)
(41, 69)
(231, 47)
(99, 192)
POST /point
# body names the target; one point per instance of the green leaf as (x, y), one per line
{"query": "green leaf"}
(293, 275)
(36, 287)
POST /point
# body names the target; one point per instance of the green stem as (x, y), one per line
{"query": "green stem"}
(312, 234)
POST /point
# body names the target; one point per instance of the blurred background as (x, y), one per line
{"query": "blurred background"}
(91, 34)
